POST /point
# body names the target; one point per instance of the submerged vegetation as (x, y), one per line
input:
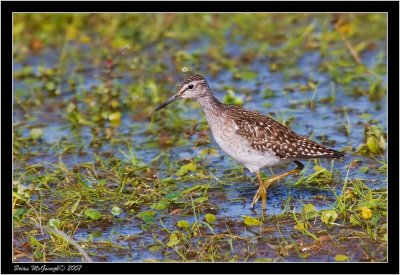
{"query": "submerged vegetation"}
(98, 176)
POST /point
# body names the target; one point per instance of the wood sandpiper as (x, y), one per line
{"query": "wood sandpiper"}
(250, 138)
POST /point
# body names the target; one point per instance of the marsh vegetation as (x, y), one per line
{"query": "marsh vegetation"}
(92, 159)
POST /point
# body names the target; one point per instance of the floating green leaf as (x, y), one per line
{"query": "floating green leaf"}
(154, 248)
(159, 206)
(268, 93)
(309, 210)
(115, 117)
(364, 169)
(341, 258)
(210, 218)
(71, 107)
(192, 189)
(251, 221)
(200, 199)
(173, 240)
(36, 133)
(264, 260)
(50, 86)
(183, 224)
(373, 145)
(116, 211)
(92, 213)
(173, 196)
(365, 116)
(248, 75)
(145, 214)
(186, 169)
(329, 216)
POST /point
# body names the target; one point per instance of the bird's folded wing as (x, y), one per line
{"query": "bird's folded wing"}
(265, 134)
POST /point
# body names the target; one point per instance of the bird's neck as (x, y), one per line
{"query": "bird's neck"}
(213, 110)
(209, 103)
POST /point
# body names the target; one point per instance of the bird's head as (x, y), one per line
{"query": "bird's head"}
(195, 86)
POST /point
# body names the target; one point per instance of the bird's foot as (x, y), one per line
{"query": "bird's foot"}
(257, 196)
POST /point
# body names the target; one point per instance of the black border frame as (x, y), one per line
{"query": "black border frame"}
(390, 7)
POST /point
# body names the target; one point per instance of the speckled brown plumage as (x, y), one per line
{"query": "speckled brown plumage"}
(263, 133)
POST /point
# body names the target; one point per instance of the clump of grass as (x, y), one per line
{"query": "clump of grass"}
(365, 207)
(320, 177)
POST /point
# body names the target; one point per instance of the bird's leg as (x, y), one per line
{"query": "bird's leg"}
(255, 198)
(262, 191)
(268, 182)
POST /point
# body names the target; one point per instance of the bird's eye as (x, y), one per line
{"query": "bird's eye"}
(191, 86)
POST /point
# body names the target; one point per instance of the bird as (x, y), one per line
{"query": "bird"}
(251, 138)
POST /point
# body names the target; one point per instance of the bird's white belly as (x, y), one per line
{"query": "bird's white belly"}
(240, 150)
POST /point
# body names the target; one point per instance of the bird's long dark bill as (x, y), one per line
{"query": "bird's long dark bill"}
(165, 103)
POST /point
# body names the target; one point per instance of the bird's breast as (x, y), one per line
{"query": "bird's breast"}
(238, 147)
